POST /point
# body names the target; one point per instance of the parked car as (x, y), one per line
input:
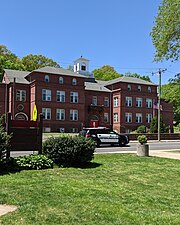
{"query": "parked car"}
(103, 135)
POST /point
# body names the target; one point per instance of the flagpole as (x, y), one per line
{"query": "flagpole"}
(159, 111)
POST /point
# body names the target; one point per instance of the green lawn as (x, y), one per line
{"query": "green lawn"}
(115, 189)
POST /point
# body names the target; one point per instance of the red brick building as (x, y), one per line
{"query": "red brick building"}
(70, 100)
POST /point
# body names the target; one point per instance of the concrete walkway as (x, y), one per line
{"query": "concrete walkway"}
(166, 154)
(4, 209)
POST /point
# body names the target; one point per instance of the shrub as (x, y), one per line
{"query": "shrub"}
(142, 139)
(69, 150)
(4, 142)
(141, 129)
(34, 162)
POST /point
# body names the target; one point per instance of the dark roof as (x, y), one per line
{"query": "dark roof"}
(92, 86)
(128, 80)
(58, 71)
(19, 75)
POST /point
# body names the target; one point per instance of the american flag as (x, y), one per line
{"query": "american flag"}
(155, 106)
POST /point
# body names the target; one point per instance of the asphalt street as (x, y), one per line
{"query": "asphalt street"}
(131, 147)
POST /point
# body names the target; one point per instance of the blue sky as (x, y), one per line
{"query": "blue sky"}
(113, 32)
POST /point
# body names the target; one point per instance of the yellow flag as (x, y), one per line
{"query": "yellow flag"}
(34, 113)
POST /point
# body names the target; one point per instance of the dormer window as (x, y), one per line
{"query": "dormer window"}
(83, 67)
(46, 78)
(74, 81)
(61, 80)
(129, 87)
(149, 89)
(139, 87)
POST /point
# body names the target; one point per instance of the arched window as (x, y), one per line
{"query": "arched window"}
(83, 66)
(74, 81)
(46, 78)
(149, 89)
(61, 80)
(129, 87)
(139, 87)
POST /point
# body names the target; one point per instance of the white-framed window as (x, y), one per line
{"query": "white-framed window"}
(74, 81)
(139, 87)
(94, 100)
(115, 116)
(129, 101)
(74, 130)
(61, 80)
(128, 117)
(60, 96)
(60, 114)
(46, 113)
(106, 117)
(139, 102)
(73, 114)
(106, 101)
(74, 97)
(129, 87)
(138, 117)
(21, 95)
(46, 78)
(148, 103)
(46, 95)
(148, 117)
(149, 89)
(115, 101)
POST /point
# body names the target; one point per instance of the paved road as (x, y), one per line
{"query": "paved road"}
(163, 145)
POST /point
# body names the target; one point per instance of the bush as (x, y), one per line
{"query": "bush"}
(29, 162)
(142, 139)
(69, 150)
(4, 142)
(141, 129)
(34, 162)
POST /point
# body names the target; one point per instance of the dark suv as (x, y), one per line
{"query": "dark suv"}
(104, 135)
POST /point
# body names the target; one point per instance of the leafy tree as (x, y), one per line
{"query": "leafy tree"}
(166, 31)
(146, 78)
(32, 62)
(171, 92)
(8, 60)
(106, 72)
(154, 125)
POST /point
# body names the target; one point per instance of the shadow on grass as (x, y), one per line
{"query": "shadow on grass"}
(87, 165)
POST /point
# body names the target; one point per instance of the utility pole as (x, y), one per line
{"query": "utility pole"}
(159, 101)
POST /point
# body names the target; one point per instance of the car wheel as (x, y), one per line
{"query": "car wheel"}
(122, 143)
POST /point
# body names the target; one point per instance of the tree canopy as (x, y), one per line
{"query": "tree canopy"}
(8, 60)
(166, 31)
(171, 92)
(106, 72)
(32, 62)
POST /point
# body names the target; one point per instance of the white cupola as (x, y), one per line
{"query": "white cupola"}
(81, 66)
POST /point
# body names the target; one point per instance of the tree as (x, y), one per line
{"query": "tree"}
(106, 72)
(171, 92)
(154, 125)
(146, 78)
(166, 31)
(8, 60)
(32, 62)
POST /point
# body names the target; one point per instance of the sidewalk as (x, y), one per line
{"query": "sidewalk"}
(4, 209)
(165, 154)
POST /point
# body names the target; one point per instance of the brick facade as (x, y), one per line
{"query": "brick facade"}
(70, 100)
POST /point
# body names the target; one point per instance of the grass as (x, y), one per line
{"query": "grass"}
(115, 189)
